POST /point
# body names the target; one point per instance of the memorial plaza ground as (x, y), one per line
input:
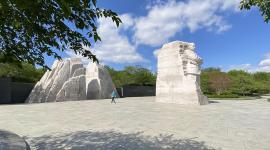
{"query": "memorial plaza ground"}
(140, 123)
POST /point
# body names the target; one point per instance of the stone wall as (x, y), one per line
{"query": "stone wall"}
(137, 91)
(5, 90)
(14, 92)
(20, 91)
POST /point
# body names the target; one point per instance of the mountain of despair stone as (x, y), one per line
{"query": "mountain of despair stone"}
(70, 80)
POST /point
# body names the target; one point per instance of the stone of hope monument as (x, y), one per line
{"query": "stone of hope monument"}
(178, 77)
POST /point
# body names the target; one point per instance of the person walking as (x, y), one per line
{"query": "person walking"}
(113, 96)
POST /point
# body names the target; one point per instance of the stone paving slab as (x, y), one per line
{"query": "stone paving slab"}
(141, 123)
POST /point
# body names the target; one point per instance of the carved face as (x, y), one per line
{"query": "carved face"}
(193, 68)
(191, 61)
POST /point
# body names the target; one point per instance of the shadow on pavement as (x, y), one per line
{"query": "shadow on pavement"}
(11, 141)
(111, 140)
(212, 101)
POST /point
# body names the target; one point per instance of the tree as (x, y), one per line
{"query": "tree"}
(219, 82)
(262, 77)
(132, 75)
(31, 29)
(264, 6)
(235, 83)
(118, 77)
(213, 81)
(242, 82)
(27, 73)
(262, 82)
(211, 69)
(144, 76)
(205, 83)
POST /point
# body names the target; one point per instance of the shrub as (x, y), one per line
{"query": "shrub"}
(223, 96)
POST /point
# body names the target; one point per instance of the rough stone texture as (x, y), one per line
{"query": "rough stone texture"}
(70, 80)
(99, 82)
(73, 89)
(178, 79)
(78, 72)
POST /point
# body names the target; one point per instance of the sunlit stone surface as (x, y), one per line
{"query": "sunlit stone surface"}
(99, 83)
(178, 79)
(70, 80)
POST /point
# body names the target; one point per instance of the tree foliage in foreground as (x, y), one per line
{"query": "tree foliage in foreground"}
(263, 5)
(31, 29)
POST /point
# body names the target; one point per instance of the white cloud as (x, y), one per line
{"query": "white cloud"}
(114, 47)
(245, 67)
(230, 4)
(165, 20)
(263, 66)
(266, 61)
(260, 69)
(127, 20)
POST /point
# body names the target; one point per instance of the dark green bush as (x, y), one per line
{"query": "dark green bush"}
(234, 84)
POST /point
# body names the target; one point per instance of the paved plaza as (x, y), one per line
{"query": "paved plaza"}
(140, 123)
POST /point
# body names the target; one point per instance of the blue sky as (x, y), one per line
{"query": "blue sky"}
(225, 37)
